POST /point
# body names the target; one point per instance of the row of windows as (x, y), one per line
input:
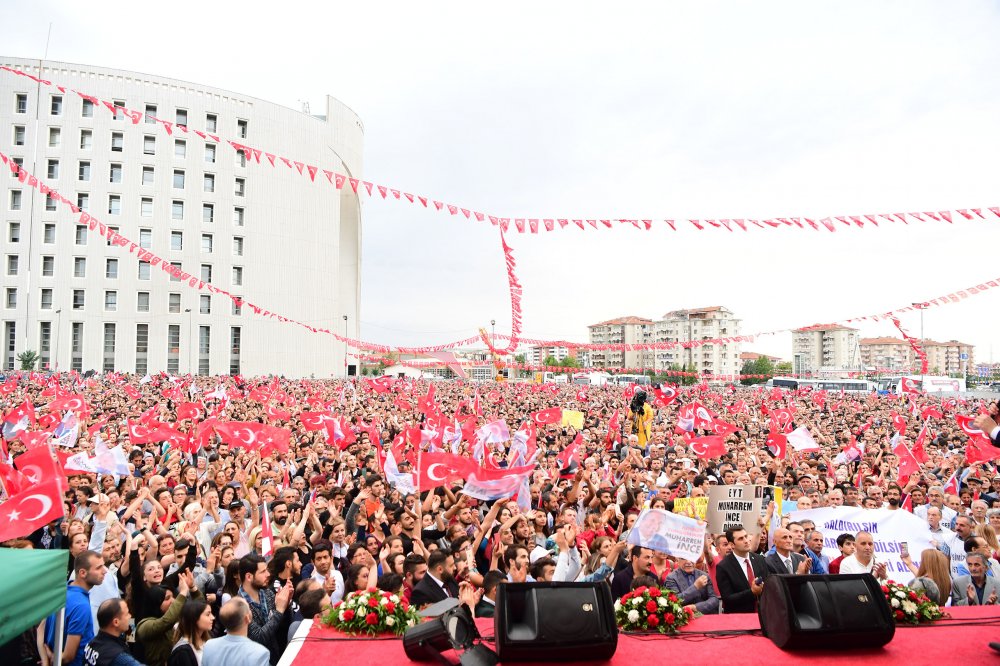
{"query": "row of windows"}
(177, 207)
(111, 301)
(56, 108)
(110, 337)
(115, 174)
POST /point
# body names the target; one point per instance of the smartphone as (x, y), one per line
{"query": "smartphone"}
(904, 550)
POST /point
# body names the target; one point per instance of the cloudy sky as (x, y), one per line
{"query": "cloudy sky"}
(620, 110)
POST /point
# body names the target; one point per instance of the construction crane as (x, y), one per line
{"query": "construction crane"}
(497, 363)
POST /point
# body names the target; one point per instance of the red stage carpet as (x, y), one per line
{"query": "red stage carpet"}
(959, 640)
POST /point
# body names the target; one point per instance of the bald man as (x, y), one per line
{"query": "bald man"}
(235, 648)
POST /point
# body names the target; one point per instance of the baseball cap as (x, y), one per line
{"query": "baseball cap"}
(236, 505)
(99, 498)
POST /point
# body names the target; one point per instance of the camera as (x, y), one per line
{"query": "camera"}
(638, 401)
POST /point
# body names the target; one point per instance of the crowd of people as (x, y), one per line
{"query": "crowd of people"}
(213, 556)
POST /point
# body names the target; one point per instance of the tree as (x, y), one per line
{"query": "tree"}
(28, 359)
(784, 368)
(761, 367)
(550, 361)
(570, 362)
(365, 371)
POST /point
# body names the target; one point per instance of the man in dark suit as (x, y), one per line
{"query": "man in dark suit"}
(438, 583)
(783, 560)
(737, 574)
(486, 607)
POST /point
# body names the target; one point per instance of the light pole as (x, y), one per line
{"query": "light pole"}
(190, 340)
(58, 331)
(920, 306)
(345, 346)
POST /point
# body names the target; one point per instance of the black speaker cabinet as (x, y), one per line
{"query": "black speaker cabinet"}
(555, 622)
(844, 611)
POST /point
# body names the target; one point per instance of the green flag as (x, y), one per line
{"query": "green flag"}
(32, 587)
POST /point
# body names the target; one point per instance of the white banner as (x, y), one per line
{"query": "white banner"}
(888, 529)
(735, 506)
(669, 533)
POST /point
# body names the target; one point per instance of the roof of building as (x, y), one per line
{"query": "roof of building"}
(823, 327)
(882, 341)
(620, 321)
(753, 356)
(949, 343)
(714, 308)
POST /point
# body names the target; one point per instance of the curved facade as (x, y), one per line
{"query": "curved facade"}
(266, 233)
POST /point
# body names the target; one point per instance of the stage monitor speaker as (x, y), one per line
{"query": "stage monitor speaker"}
(844, 611)
(555, 622)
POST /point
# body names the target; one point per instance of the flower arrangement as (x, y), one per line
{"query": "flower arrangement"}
(651, 609)
(910, 606)
(371, 612)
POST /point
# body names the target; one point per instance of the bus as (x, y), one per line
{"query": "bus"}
(923, 383)
(592, 379)
(823, 384)
(641, 380)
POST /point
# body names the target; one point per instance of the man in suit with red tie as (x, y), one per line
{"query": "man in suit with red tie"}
(438, 583)
(738, 574)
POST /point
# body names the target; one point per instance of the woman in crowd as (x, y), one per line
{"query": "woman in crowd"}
(193, 630)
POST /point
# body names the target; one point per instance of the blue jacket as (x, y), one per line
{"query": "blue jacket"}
(78, 621)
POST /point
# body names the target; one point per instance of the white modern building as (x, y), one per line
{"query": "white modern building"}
(265, 233)
(826, 350)
(707, 323)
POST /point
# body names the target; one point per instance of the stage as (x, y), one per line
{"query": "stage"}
(962, 638)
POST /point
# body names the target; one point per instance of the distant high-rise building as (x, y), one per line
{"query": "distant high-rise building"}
(623, 330)
(829, 349)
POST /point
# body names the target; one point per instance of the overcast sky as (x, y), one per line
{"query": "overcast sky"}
(620, 110)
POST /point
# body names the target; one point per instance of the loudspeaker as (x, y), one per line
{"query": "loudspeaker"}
(823, 611)
(352, 370)
(555, 622)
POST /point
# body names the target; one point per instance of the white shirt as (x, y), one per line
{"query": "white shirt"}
(851, 565)
(338, 594)
(744, 561)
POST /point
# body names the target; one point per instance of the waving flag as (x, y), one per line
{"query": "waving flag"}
(67, 431)
(898, 421)
(266, 533)
(569, 458)
(486, 485)
(777, 443)
(441, 468)
(802, 440)
(131, 391)
(11, 479)
(190, 410)
(495, 432)
(907, 463)
(720, 427)
(33, 507)
(18, 420)
(907, 385)
(547, 416)
(918, 447)
(614, 434)
(72, 402)
(710, 446)
(380, 385)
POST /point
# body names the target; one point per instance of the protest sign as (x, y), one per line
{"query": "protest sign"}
(734, 506)
(685, 506)
(888, 529)
(668, 533)
(572, 418)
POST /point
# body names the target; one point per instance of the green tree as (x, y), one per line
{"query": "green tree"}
(570, 362)
(784, 368)
(365, 371)
(28, 359)
(759, 366)
(550, 361)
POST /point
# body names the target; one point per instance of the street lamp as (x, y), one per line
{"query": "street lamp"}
(190, 340)
(58, 331)
(345, 340)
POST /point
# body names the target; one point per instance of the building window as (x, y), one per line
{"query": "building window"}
(180, 149)
(117, 142)
(150, 114)
(81, 234)
(149, 145)
(182, 117)
(237, 246)
(209, 182)
(114, 204)
(83, 173)
(147, 175)
(174, 276)
(46, 300)
(238, 217)
(174, 303)
(208, 213)
(144, 270)
(13, 262)
(49, 234)
(55, 137)
(15, 199)
(241, 159)
(177, 240)
(44, 344)
(50, 203)
(142, 301)
(237, 276)
(173, 348)
(87, 110)
(242, 128)
(109, 348)
(76, 346)
(113, 230)
(241, 186)
(211, 122)
(21, 103)
(20, 135)
(178, 179)
(56, 105)
(111, 269)
(83, 201)
(146, 207)
(206, 243)
(205, 304)
(111, 301)
(116, 173)
(10, 340)
(119, 105)
(141, 348)
(79, 267)
(177, 210)
(145, 238)
(86, 139)
(210, 154)
(237, 306)
(14, 232)
(19, 162)
(11, 297)
(79, 299)
(204, 348)
(206, 272)
(52, 169)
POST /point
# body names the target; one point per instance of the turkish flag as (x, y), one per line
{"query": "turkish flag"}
(931, 413)
(312, 421)
(720, 427)
(73, 402)
(241, 434)
(547, 416)
(441, 468)
(664, 395)
(401, 403)
(148, 416)
(34, 440)
(190, 410)
(581, 395)
(132, 392)
(899, 421)
(272, 438)
(918, 447)
(259, 394)
(276, 414)
(426, 403)
(710, 446)
(13, 480)
(139, 433)
(907, 462)
(380, 385)
(974, 433)
(24, 410)
(614, 429)
(38, 466)
(907, 385)
(30, 509)
(777, 443)
(782, 417)
(569, 459)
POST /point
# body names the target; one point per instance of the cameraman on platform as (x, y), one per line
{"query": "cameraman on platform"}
(640, 418)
